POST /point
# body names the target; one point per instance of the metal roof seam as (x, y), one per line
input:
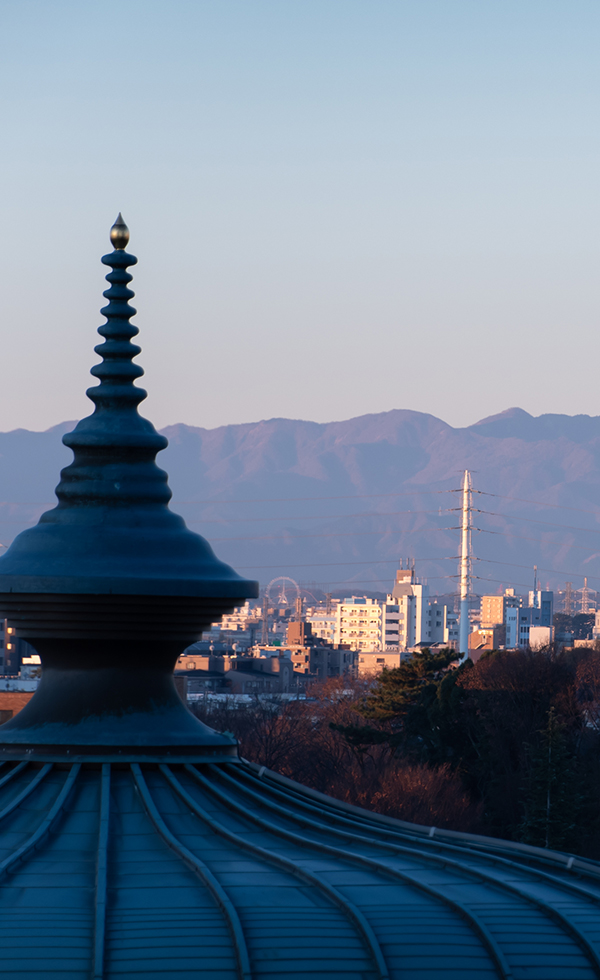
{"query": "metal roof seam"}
(13, 772)
(349, 909)
(198, 866)
(31, 843)
(549, 910)
(568, 862)
(473, 920)
(101, 889)
(26, 792)
(567, 886)
(524, 869)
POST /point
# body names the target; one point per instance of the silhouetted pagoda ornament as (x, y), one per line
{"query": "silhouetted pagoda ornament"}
(133, 840)
(111, 586)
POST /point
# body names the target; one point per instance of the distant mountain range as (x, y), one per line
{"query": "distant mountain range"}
(338, 504)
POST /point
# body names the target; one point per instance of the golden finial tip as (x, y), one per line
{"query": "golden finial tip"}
(119, 233)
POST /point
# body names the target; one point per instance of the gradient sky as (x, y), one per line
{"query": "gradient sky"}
(339, 206)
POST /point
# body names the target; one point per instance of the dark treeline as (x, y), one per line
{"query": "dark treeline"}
(580, 625)
(509, 746)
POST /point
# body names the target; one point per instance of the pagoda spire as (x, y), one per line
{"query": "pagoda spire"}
(112, 529)
(110, 586)
(117, 372)
(115, 447)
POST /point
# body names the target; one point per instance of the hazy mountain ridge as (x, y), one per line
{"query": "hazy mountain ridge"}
(277, 469)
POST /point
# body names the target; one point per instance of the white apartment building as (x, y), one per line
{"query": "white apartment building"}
(407, 616)
(443, 624)
(359, 623)
(236, 620)
(405, 619)
(323, 624)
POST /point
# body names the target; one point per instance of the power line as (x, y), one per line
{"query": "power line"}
(531, 520)
(329, 564)
(499, 581)
(510, 564)
(370, 514)
(521, 537)
(328, 534)
(353, 496)
(393, 561)
(284, 500)
(539, 503)
(432, 578)
(313, 517)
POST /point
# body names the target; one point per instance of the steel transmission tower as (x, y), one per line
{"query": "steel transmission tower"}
(465, 567)
(587, 603)
(568, 608)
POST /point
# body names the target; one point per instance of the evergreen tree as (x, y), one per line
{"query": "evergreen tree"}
(402, 702)
(398, 690)
(552, 802)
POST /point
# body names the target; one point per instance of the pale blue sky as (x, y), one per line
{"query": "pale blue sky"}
(339, 207)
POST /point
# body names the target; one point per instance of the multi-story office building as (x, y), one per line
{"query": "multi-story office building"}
(501, 614)
(511, 621)
(544, 601)
(539, 612)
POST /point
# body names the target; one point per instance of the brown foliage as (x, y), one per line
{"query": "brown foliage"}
(463, 752)
(587, 681)
(298, 742)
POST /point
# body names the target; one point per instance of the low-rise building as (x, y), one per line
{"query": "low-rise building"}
(324, 661)
(236, 620)
(374, 661)
(541, 636)
(530, 616)
(484, 639)
(272, 674)
(11, 702)
(323, 624)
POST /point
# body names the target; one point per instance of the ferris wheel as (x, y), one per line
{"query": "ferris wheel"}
(282, 591)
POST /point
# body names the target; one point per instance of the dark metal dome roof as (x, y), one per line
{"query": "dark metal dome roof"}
(228, 871)
(135, 843)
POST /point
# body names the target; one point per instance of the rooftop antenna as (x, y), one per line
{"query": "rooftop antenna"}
(465, 567)
(265, 620)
